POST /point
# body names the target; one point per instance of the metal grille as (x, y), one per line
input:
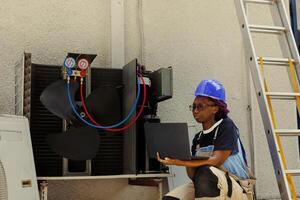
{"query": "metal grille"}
(42, 122)
(23, 86)
(19, 86)
(109, 159)
(3, 184)
(27, 85)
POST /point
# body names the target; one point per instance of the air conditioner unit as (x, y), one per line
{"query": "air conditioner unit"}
(17, 170)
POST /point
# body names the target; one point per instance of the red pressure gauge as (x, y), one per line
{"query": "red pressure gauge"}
(83, 64)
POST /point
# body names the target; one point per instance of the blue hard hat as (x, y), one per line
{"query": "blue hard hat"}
(211, 88)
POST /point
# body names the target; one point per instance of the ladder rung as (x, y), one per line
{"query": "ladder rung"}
(283, 95)
(275, 61)
(267, 29)
(270, 2)
(293, 172)
(288, 132)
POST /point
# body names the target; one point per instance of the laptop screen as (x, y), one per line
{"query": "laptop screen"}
(169, 139)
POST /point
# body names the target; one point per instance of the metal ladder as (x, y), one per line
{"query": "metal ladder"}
(264, 96)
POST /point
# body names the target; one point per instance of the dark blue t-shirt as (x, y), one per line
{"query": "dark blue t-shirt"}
(226, 139)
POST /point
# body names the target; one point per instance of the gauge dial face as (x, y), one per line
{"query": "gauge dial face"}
(69, 62)
(83, 64)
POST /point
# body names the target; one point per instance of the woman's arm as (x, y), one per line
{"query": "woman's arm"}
(190, 172)
(217, 159)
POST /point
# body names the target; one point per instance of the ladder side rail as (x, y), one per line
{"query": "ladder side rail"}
(290, 37)
(262, 101)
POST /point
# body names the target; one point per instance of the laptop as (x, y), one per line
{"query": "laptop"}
(170, 140)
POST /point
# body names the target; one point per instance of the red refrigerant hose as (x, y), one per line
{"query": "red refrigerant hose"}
(116, 129)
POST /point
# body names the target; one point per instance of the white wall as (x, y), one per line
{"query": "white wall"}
(50, 29)
(200, 39)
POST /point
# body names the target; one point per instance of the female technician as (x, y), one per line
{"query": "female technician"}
(224, 175)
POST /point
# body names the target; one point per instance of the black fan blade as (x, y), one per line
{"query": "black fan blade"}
(75, 143)
(55, 99)
(104, 105)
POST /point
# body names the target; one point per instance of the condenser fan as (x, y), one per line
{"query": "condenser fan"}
(55, 99)
(76, 143)
(103, 105)
(102, 108)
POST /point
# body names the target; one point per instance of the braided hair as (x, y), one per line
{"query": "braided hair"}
(223, 110)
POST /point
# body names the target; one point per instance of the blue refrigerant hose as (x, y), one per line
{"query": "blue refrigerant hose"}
(104, 127)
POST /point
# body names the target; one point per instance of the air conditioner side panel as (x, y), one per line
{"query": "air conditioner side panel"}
(17, 158)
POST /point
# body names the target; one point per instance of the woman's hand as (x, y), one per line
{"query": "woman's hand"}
(168, 161)
(217, 159)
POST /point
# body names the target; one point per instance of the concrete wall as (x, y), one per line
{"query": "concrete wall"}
(200, 39)
(49, 30)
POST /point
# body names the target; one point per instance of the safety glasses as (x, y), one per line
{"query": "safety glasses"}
(199, 106)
